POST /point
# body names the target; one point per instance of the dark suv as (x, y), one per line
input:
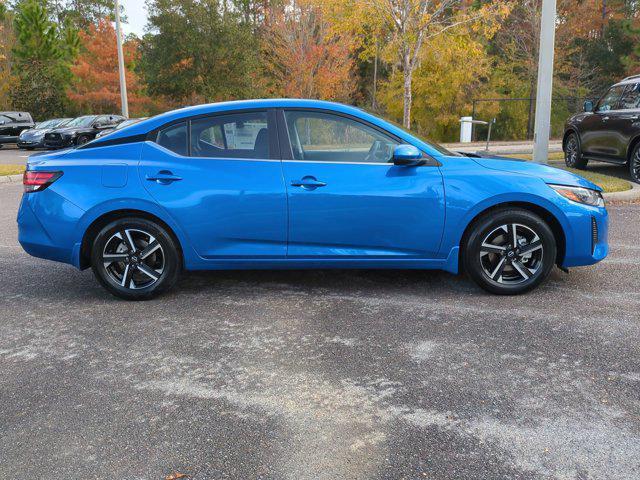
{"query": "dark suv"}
(608, 132)
(12, 124)
(80, 130)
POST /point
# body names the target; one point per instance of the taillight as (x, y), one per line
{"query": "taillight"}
(34, 181)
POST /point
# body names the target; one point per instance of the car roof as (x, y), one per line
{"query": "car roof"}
(145, 126)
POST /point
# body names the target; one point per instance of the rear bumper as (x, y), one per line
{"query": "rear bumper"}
(50, 233)
(8, 139)
(588, 239)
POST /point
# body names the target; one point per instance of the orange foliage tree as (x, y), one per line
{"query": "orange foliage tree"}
(96, 85)
(303, 58)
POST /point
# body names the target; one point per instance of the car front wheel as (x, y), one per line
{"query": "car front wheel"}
(509, 251)
(135, 258)
(573, 154)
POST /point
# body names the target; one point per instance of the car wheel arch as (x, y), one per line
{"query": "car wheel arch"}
(98, 223)
(568, 132)
(632, 145)
(551, 219)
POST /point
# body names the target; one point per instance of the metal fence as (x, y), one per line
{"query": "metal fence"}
(515, 117)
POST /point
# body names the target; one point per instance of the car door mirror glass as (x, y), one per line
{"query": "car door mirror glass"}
(588, 106)
(407, 155)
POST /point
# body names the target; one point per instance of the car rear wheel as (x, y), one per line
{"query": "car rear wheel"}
(573, 154)
(509, 252)
(135, 258)
(634, 164)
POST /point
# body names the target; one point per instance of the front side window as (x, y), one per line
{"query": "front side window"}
(174, 138)
(631, 97)
(325, 137)
(235, 135)
(610, 100)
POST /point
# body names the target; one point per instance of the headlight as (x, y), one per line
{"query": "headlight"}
(582, 195)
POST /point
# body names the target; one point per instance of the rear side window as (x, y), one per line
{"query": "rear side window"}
(174, 138)
(236, 135)
(631, 98)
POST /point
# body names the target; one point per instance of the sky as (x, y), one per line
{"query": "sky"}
(136, 13)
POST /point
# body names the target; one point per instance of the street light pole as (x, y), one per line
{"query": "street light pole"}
(545, 82)
(123, 80)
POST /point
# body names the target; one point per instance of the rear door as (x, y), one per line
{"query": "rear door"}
(220, 179)
(346, 198)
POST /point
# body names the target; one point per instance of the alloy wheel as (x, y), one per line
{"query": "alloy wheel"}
(635, 166)
(571, 151)
(133, 259)
(511, 254)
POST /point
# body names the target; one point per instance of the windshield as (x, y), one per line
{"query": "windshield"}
(46, 124)
(126, 123)
(85, 121)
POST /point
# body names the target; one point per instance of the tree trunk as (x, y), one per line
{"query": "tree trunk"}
(406, 118)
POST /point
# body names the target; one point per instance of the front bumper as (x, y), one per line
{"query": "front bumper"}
(30, 143)
(57, 140)
(587, 239)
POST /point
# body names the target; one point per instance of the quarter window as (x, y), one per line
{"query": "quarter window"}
(174, 138)
(631, 97)
(610, 100)
(237, 135)
(317, 136)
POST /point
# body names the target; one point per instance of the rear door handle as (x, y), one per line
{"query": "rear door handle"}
(164, 177)
(308, 182)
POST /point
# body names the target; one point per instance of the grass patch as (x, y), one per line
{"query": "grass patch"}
(11, 169)
(608, 183)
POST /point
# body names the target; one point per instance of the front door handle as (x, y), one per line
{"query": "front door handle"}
(308, 183)
(604, 119)
(164, 177)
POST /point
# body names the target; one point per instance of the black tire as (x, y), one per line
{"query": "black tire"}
(29, 148)
(129, 274)
(573, 157)
(634, 164)
(82, 139)
(501, 271)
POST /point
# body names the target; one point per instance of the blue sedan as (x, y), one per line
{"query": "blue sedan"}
(273, 184)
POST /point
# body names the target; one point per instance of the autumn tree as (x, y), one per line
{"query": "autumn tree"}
(199, 50)
(303, 58)
(96, 85)
(6, 44)
(412, 23)
(42, 54)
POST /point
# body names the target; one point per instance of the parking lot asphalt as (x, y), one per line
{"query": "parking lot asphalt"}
(320, 374)
(10, 155)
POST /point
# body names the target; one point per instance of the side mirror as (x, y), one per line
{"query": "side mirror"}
(407, 155)
(588, 106)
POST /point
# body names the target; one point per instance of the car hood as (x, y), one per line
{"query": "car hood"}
(36, 131)
(71, 130)
(545, 172)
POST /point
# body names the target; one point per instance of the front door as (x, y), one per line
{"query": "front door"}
(346, 198)
(624, 122)
(222, 184)
(598, 129)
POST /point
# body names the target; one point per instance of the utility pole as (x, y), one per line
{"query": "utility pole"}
(123, 80)
(545, 82)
